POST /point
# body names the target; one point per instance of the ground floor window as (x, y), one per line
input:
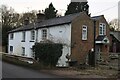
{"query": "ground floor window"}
(23, 51)
(11, 48)
(32, 53)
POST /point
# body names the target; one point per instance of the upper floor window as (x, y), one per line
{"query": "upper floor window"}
(32, 35)
(84, 32)
(11, 36)
(23, 36)
(102, 29)
(44, 34)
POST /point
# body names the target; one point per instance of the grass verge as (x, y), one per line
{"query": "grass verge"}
(16, 61)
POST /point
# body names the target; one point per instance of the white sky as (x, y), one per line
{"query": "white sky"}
(109, 8)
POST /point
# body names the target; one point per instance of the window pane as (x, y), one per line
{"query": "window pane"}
(11, 48)
(23, 34)
(32, 35)
(23, 51)
(11, 36)
(44, 34)
(102, 29)
(84, 32)
(32, 53)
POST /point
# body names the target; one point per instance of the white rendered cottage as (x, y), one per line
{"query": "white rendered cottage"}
(58, 30)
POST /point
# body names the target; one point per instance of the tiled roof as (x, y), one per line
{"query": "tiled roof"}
(57, 21)
(23, 28)
(116, 34)
(50, 22)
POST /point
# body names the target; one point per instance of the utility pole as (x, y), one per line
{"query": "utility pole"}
(94, 53)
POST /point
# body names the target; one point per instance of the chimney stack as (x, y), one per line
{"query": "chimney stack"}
(40, 17)
(26, 21)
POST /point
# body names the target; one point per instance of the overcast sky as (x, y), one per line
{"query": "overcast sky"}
(109, 8)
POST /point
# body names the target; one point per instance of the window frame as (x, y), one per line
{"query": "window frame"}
(44, 34)
(32, 53)
(102, 29)
(23, 36)
(23, 51)
(11, 36)
(11, 50)
(84, 34)
(32, 35)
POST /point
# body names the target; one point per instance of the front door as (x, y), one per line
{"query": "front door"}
(98, 52)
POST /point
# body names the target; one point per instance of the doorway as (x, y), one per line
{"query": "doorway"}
(98, 52)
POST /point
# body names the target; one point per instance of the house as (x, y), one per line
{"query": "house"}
(75, 31)
(115, 42)
(102, 38)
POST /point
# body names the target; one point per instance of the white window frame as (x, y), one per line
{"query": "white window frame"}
(32, 53)
(44, 34)
(84, 32)
(23, 36)
(102, 29)
(11, 36)
(32, 35)
(23, 51)
(10, 49)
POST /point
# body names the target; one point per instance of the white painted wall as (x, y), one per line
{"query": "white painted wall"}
(62, 34)
(17, 44)
(58, 34)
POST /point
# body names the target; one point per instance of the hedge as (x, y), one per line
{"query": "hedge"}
(48, 53)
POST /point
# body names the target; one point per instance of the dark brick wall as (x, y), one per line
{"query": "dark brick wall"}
(81, 48)
(105, 48)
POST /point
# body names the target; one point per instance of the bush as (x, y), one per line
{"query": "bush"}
(48, 53)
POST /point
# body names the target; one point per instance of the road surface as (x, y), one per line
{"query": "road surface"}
(13, 71)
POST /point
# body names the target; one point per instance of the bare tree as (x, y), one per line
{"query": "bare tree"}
(114, 24)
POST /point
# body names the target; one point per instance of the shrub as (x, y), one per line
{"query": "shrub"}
(48, 53)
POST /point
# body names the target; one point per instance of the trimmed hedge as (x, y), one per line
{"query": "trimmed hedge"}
(48, 53)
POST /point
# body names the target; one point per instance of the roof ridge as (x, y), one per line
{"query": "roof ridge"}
(59, 17)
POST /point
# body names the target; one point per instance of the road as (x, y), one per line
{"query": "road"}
(13, 71)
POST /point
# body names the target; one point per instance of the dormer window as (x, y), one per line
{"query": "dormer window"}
(102, 29)
(11, 36)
